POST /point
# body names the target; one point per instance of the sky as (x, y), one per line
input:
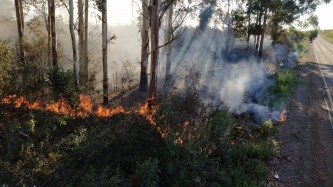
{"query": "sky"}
(325, 15)
(125, 12)
(122, 12)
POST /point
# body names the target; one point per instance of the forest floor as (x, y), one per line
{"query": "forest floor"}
(306, 139)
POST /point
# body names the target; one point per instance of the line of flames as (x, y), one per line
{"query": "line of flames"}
(85, 108)
(61, 106)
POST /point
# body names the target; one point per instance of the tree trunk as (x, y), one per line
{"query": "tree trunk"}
(22, 14)
(48, 28)
(71, 28)
(154, 28)
(144, 47)
(85, 62)
(80, 32)
(20, 24)
(168, 38)
(248, 25)
(259, 23)
(263, 33)
(54, 34)
(105, 53)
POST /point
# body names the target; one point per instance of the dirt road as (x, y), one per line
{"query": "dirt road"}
(306, 155)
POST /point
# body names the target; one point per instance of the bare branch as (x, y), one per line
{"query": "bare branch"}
(165, 8)
(167, 42)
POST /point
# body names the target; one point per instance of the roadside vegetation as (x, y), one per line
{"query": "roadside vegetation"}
(327, 34)
(55, 131)
(181, 143)
(281, 87)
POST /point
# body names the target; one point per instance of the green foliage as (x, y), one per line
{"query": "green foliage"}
(7, 68)
(61, 84)
(149, 172)
(245, 163)
(313, 35)
(37, 58)
(214, 133)
(99, 4)
(295, 39)
(126, 150)
(283, 83)
(239, 23)
(268, 129)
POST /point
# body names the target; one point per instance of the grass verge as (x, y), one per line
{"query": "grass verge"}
(327, 34)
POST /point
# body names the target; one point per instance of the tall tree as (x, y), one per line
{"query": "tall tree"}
(102, 6)
(49, 33)
(259, 18)
(20, 23)
(144, 46)
(154, 28)
(249, 22)
(53, 33)
(71, 28)
(157, 11)
(85, 62)
(105, 52)
(263, 31)
(81, 34)
(42, 8)
(168, 38)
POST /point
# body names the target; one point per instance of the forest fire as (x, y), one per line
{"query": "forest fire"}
(61, 106)
(282, 115)
(85, 108)
(149, 113)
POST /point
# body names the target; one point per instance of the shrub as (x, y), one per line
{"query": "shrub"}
(7, 68)
(283, 83)
(62, 85)
(313, 35)
(149, 172)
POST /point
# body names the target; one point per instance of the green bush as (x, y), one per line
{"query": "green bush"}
(283, 83)
(149, 172)
(62, 85)
(313, 35)
(8, 70)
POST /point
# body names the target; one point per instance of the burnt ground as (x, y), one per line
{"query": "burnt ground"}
(305, 155)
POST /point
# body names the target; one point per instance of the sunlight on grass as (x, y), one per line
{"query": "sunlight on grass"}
(327, 34)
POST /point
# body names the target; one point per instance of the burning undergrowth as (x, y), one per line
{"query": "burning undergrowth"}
(201, 144)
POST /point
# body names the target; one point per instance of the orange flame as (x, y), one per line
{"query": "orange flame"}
(108, 112)
(149, 114)
(61, 106)
(282, 115)
(86, 108)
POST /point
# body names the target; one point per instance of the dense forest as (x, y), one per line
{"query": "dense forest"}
(191, 94)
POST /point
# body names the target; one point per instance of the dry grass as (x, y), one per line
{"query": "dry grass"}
(327, 34)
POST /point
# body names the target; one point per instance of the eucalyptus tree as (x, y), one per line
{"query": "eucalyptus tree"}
(52, 8)
(156, 14)
(20, 29)
(71, 28)
(84, 70)
(82, 11)
(102, 6)
(144, 46)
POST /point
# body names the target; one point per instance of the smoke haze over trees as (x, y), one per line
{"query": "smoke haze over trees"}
(188, 80)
